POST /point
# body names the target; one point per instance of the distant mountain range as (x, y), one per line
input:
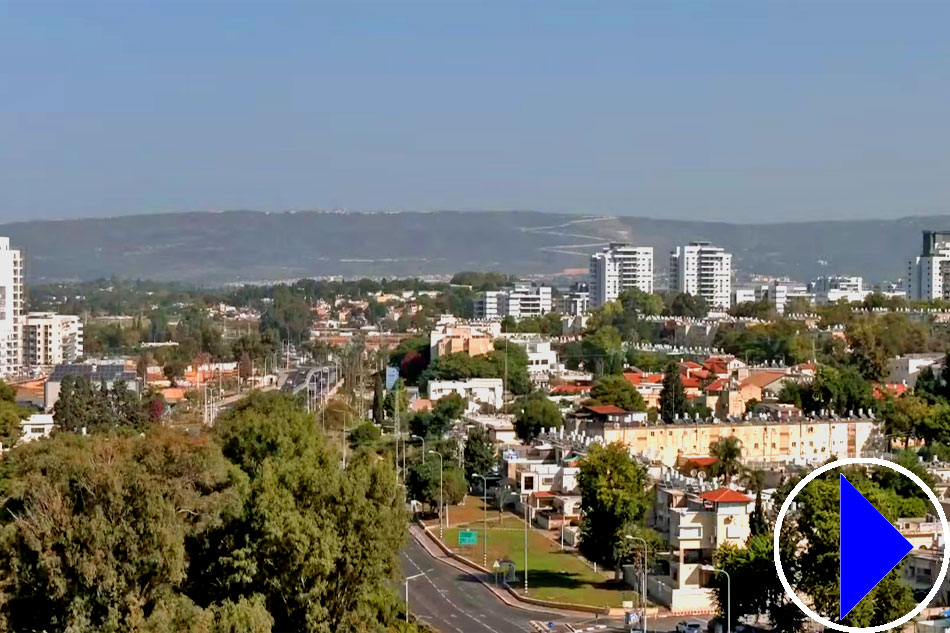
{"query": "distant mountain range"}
(236, 246)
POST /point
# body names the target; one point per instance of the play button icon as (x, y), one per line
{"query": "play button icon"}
(870, 547)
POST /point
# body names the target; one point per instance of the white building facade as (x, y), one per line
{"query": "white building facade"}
(701, 269)
(476, 391)
(523, 300)
(929, 272)
(617, 268)
(52, 339)
(11, 309)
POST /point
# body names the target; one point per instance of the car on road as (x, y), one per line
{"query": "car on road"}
(689, 627)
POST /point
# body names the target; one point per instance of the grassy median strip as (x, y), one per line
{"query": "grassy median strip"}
(552, 574)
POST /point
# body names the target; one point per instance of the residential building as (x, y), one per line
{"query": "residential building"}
(797, 440)
(617, 268)
(105, 373)
(477, 391)
(11, 309)
(926, 272)
(473, 340)
(905, 369)
(520, 301)
(542, 360)
(834, 288)
(576, 300)
(52, 339)
(920, 571)
(778, 294)
(742, 295)
(695, 523)
(35, 427)
(843, 283)
(701, 269)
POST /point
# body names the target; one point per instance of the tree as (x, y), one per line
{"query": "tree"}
(687, 305)
(758, 524)
(614, 492)
(479, 454)
(756, 589)
(379, 413)
(319, 543)
(397, 397)
(365, 434)
(435, 424)
(423, 483)
(728, 453)
(673, 395)
(536, 412)
(617, 391)
(96, 530)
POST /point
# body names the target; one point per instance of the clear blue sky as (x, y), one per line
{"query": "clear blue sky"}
(722, 110)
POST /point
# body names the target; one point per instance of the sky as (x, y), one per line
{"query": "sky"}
(736, 111)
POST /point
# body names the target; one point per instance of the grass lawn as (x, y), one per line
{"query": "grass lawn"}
(552, 574)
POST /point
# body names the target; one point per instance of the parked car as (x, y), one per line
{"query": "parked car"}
(689, 627)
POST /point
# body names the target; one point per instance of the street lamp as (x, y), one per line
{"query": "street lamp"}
(440, 492)
(728, 593)
(419, 437)
(408, 578)
(643, 584)
(484, 519)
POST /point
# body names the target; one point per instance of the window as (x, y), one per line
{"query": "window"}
(691, 532)
(529, 482)
(547, 481)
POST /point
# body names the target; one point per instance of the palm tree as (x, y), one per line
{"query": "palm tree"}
(728, 453)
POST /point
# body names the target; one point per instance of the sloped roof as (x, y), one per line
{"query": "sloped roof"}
(606, 409)
(703, 461)
(762, 379)
(725, 495)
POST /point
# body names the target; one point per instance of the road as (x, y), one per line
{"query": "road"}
(453, 601)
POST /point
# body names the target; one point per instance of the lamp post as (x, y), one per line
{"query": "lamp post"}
(643, 584)
(440, 492)
(408, 578)
(484, 519)
(418, 437)
(716, 570)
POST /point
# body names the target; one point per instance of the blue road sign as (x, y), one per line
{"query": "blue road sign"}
(870, 547)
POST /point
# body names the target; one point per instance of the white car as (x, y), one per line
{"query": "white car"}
(689, 627)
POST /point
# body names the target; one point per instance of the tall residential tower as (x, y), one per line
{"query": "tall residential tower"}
(617, 268)
(11, 309)
(703, 270)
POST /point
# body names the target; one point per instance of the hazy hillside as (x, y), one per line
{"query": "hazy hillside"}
(252, 246)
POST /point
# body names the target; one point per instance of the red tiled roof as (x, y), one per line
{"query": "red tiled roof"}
(606, 409)
(763, 379)
(703, 461)
(542, 494)
(571, 389)
(725, 495)
(894, 388)
(717, 385)
(690, 364)
(691, 382)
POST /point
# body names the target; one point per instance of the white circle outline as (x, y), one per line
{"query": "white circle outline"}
(848, 462)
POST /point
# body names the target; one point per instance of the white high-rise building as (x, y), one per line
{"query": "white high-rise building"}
(52, 339)
(11, 309)
(617, 268)
(926, 272)
(703, 270)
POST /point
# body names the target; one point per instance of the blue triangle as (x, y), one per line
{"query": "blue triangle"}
(870, 547)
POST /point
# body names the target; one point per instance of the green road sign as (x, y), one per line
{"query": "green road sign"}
(468, 537)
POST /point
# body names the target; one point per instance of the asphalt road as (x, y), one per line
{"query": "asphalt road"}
(452, 601)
